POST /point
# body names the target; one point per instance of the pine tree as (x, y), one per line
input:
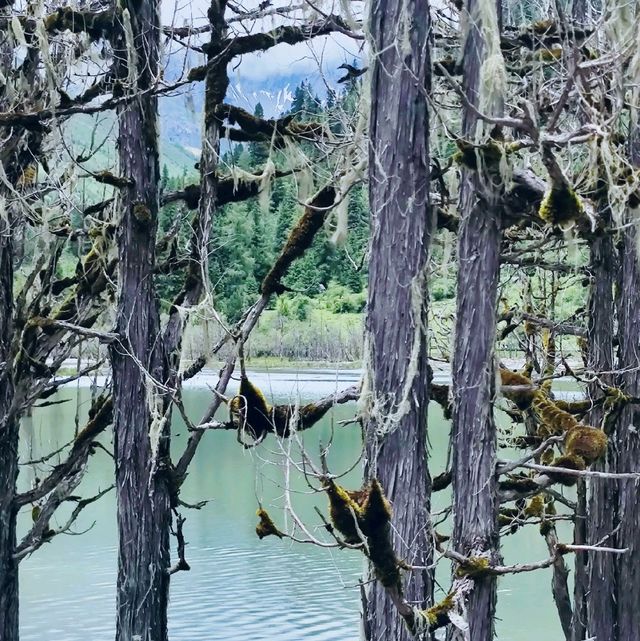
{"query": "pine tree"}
(258, 151)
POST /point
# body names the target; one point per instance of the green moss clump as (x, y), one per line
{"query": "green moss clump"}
(266, 526)
(366, 511)
(574, 407)
(192, 196)
(376, 525)
(535, 508)
(308, 415)
(561, 206)
(142, 214)
(438, 615)
(476, 157)
(197, 74)
(67, 310)
(251, 408)
(553, 420)
(510, 518)
(519, 483)
(615, 397)
(521, 398)
(549, 510)
(377, 509)
(549, 55)
(300, 239)
(345, 510)
(587, 442)
(542, 27)
(475, 566)
(546, 458)
(571, 462)
(440, 394)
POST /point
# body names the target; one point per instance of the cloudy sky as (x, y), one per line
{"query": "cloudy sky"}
(283, 60)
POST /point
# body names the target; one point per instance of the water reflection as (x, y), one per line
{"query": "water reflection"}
(239, 587)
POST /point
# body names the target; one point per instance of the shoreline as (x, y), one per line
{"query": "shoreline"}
(274, 374)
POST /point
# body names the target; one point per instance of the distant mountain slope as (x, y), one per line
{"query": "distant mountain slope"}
(181, 114)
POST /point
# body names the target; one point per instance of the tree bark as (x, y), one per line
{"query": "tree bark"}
(138, 360)
(581, 578)
(9, 429)
(597, 578)
(474, 440)
(628, 439)
(397, 386)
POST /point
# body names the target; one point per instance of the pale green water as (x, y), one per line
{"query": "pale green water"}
(239, 587)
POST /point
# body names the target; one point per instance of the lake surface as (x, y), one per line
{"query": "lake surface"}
(240, 587)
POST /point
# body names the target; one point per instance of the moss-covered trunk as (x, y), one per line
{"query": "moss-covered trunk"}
(396, 322)
(141, 438)
(475, 505)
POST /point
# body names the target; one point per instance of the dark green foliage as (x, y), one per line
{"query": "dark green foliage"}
(246, 239)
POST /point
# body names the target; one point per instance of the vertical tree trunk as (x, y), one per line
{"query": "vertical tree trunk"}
(9, 427)
(628, 438)
(141, 435)
(8, 441)
(397, 386)
(474, 440)
(600, 520)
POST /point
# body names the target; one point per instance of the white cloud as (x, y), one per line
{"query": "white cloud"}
(323, 54)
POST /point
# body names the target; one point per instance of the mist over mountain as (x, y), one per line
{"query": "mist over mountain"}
(181, 115)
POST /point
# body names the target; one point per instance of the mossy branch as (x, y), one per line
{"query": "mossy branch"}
(288, 34)
(251, 412)
(230, 190)
(300, 239)
(269, 129)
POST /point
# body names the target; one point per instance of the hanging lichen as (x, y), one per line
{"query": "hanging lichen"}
(266, 180)
(493, 73)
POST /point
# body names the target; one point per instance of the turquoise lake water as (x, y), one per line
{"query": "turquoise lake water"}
(240, 587)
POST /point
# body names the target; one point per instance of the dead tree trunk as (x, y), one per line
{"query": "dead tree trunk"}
(397, 386)
(141, 434)
(8, 442)
(600, 520)
(9, 427)
(474, 441)
(628, 439)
